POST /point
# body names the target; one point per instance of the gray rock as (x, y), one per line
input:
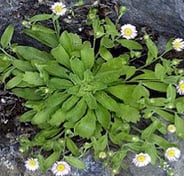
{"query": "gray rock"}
(165, 16)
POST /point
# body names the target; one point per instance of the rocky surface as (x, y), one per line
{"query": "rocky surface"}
(164, 16)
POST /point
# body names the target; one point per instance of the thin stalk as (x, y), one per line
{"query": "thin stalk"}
(5, 52)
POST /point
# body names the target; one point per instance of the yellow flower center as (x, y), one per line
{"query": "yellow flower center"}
(177, 45)
(32, 163)
(181, 86)
(128, 32)
(58, 9)
(60, 167)
(141, 158)
(171, 153)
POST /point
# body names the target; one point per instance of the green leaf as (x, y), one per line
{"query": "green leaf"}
(123, 92)
(165, 115)
(77, 67)
(179, 122)
(54, 69)
(106, 42)
(100, 144)
(66, 41)
(150, 58)
(103, 116)
(111, 28)
(7, 36)
(110, 71)
(171, 93)
(87, 57)
(47, 133)
(41, 28)
(57, 118)
(77, 112)
(75, 162)
(33, 78)
(105, 54)
(23, 65)
(146, 133)
(147, 75)
(118, 157)
(157, 86)
(51, 159)
(139, 92)
(97, 28)
(43, 116)
(14, 81)
(179, 102)
(129, 71)
(40, 17)
(152, 48)
(107, 101)
(130, 44)
(56, 98)
(48, 39)
(70, 102)
(61, 56)
(90, 100)
(72, 147)
(27, 93)
(76, 42)
(27, 116)
(30, 53)
(158, 140)
(160, 71)
(128, 113)
(169, 46)
(5, 62)
(152, 151)
(160, 101)
(7, 73)
(87, 125)
(58, 83)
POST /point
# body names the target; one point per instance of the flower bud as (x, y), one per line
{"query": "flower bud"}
(137, 54)
(146, 37)
(135, 138)
(102, 155)
(122, 9)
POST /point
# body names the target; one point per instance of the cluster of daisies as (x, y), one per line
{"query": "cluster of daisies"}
(143, 159)
(59, 168)
(171, 154)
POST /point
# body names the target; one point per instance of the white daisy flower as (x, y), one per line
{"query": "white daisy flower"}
(172, 154)
(59, 8)
(171, 128)
(60, 168)
(178, 44)
(32, 164)
(128, 31)
(141, 159)
(180, 87)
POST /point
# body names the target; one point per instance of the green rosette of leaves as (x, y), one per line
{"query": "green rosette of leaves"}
(83, 96)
